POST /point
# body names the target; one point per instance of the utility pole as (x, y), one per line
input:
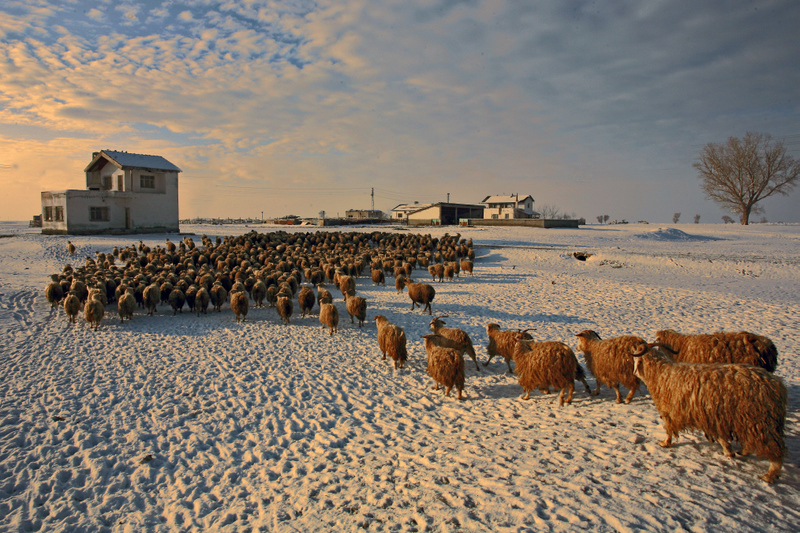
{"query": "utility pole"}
(373, 199)
(448, 198)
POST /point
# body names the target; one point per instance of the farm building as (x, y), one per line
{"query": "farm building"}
(125, 193)
(444, 213)
(363, 213)
(510, 206)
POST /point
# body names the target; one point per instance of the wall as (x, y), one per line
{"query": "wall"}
(530, 222)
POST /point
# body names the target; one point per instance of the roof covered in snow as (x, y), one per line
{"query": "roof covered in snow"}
(505, 199)
(127, 160)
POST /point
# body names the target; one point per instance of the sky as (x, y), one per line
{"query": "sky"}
(299, 106)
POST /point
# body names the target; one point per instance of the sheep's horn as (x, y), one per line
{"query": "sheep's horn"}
(640, 350)
(526, 330)
(663, 347)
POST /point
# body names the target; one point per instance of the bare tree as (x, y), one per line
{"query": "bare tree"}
(549, 211)
(605, 218)
(697, 219)
(742, 172)
(726, 219)
(600, 219)
(675, 218)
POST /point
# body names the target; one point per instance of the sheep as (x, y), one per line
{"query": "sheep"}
(541, 365)
(218, 295)
(126, 305)
(449, 271)
(420, 293)
(259, 292)
(72, 306)
(324, 296)
(436, 270)
(400, 283)
(378, 277)
(502, 343)
(306, 298)
(94, 309)
(743, 347)
(466, 266)
(54, 292)
(392, 339)
(356, 307)
(459, 336)
(445, 363)
(239, 304)
(176, 300)
(152, 296)
(329, 316)
(201, 301)
(345, 284)
(725, 401)
(610, 361)
(70, 248)
(285, 307)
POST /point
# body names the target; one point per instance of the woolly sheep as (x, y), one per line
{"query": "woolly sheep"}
(436, 270)
(378, 277)
(466, 266)
(218, 295)
(329, 317)
(391, 340)
(742, 347)
(152, 296)
(725, 401)
(259, 292)
(306, 298)
(239, 304)
(126, 305)
(420, 293)
(356, 307)
(445, 363)
(285, 307)
(54, 292)
(202, 300)
(541, 365)
(610, 361)
(459, 336)
(324, 296)
(94, 309)
(345, 284)
(70, 248)
(176, 300)
(503, 342)
(400, 283)
(72, 306)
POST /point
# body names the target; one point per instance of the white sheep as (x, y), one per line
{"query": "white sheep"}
(459, 336)
(445, 363)
(610, 361)
(742, 347)
(726, 402)
(391, 340)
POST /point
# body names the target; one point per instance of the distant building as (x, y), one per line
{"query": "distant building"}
(511, 206)
(125, 193)
(444, 214)
(401, 211)
(363, 213)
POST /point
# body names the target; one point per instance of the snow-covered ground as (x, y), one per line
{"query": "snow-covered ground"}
(173, 423)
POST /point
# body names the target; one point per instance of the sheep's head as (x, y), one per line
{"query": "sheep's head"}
(437, 322)
(585, 336)
(492, 327)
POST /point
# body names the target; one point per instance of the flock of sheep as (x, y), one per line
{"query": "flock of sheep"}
(721, 384)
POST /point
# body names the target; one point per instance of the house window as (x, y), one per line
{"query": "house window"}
(48, 213)
(59, 213)
(98, 214)
(506, 215)
(147, 182)
(494, 216)
(119, 183)
(106, 183)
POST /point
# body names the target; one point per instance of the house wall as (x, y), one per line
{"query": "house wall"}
(53, 199)
(425, 217)
(150, 212)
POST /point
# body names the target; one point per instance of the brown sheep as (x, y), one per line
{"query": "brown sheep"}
(152, 296)
(420, 293)
(743, 348)
(306, 299)
(466, 266)
(356, 307)
(541, 365)
(176, 300)
(378, 277)
(392, 339)
(126, 305)
(445, 363)
(72, 306)
(324, 296)
(329, 316)
(459, 336)
(202, 300)
(240, 304)
(503, 343)
(610, 361)
(54, 292)
(94, 309)
(285, 307)
(725, 401)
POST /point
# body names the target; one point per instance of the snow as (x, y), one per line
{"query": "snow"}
(172, 423)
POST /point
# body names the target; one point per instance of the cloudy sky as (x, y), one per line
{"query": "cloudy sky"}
(298, 106)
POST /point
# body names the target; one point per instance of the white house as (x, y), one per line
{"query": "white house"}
(125, 193)
(511, 206)
(444, 214)
(401, 211)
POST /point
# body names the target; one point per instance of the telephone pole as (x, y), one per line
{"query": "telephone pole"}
(373, 199)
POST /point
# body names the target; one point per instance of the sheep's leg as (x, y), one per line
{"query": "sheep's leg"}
(488, 360)
(447, 392)
(588, 390)
(527, 394)
(596, 390)
(508, 362)
(774, 470)
(570, 391)
(666, 443)
(615, 386)
(475, 359)
(726, 447)
(633, 390)
(460, 397)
